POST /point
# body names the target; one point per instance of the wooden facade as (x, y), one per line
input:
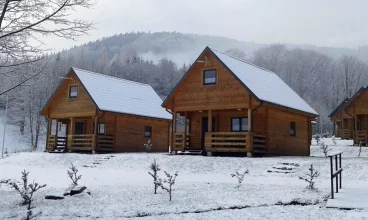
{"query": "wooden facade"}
(72, 124)
(351, 117)
(268, 125)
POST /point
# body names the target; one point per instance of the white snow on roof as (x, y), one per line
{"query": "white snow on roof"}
(122, 96)
(266, 85)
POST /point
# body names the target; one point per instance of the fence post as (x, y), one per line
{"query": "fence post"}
(337, 179)
(341, 172)
(332, 191)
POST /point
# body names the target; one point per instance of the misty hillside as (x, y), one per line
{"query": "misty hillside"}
(184, 48)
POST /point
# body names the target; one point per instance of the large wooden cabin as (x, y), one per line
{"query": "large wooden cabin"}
(230, 105)
(351, 117)
(95, 112)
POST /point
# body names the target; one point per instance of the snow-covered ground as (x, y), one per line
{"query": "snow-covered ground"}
(121, 187)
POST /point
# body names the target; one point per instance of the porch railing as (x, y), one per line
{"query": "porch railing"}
(181, 141)
(51, 142)
(105, 142)
(337, 132)
(361, 136)
(235, 142)
(81, 142)
(346, 133)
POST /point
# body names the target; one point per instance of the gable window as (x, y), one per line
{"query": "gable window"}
(292, 129)
(100, 128)
(147, 131)
(73, 91)
(209, 77)
(239, 124)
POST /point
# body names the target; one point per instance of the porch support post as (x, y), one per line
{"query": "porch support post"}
(342, 127)
(185, 131)
(250, 133)
(209, 130)
(94, 142)
(173, 151)
(70, 135)
(57, 128)
(49, 125)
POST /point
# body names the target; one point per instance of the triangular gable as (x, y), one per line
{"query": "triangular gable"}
(307, 109)
(339, 107)
(356, 97)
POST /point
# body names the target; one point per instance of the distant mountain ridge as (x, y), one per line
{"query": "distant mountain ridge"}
(184, 48)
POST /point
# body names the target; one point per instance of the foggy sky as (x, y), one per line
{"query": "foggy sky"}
(334, 23)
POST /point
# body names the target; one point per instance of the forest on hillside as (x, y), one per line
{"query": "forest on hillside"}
(161, 59)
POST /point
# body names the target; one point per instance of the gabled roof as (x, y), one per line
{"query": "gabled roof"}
(263, 84)
(339, 107)
(348, 101)
(118, 95)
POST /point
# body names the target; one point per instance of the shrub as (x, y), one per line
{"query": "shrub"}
(73, 175)
(170, 181)
(360, 148)
(148, 146)
(325, 149)
(334, 140)
(310, 177)
(155, 168)
(317, 137)
(240, 177)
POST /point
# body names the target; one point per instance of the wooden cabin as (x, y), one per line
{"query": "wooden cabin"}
(230, 105)
(95, 112)
(351, 117)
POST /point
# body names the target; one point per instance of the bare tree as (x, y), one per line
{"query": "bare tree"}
(310, 177)
(271, 57)
(23, 21)
(352, 70)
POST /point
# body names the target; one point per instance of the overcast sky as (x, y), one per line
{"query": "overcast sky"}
(334, 23)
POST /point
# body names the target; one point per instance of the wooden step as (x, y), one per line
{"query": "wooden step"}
(190, 152)
(58, 150)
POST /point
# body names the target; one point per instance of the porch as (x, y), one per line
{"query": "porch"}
(233, 130)
(78, 134)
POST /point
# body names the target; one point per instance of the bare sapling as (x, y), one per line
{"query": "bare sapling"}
(310, 177)
(73, 175)
(360, 148)
(317, 139)
(334, 140)
(155, 168)
(240, 177)
(170, 181)
(26, 191)
(148, 146)
(325, 149)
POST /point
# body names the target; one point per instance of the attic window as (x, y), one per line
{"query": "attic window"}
(73, 91)
(209, 77)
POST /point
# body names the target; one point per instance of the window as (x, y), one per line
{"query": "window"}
(147, 131)
(239, 124)
(358, 125)
(100, 128)
(209, 77)
(292, 129)
(73, 91)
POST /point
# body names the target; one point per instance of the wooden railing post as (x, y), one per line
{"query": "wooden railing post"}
(185, 131)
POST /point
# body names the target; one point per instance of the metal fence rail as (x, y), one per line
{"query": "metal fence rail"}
(337, 173)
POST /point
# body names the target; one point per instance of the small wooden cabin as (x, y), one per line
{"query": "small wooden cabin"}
(95, 112)
(230, 105)
(351, 117)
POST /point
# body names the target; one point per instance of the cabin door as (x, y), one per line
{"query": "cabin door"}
(205, 129)
(79, 128)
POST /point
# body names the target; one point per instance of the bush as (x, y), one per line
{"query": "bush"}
(240, 177)
(148, 146)
(170, 181)
(310, 177)
(73, 175)
(325, 149)
(155, 168)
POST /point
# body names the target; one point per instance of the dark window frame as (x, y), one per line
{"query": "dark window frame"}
(204, 77)
(70, 91)
(292, 129)
(240, 124)
(149, 130)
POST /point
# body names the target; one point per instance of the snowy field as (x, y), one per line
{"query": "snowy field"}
(121, 187)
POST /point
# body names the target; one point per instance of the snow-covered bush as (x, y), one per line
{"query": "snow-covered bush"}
(240, 177)
(156, 181)
(170, 181)
(325, 149)
(73, 175)
(310, 177)
(334, 140)
(26, 191)
(148, 146)
(317, 137)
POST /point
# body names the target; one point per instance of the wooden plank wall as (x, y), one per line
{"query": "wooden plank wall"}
(192, 95)
(279, 140)
(61, 106)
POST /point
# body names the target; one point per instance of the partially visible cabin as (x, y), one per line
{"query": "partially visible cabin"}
(230, 105)
(351, 117)
(95, 112)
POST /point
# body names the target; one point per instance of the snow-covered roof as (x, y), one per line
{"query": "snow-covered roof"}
(122, 96)
(264, 84)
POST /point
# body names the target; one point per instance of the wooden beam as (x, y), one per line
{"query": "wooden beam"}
(250, 133)
(185, 131)
(210, 120)
(57, 128)
(94, 142)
